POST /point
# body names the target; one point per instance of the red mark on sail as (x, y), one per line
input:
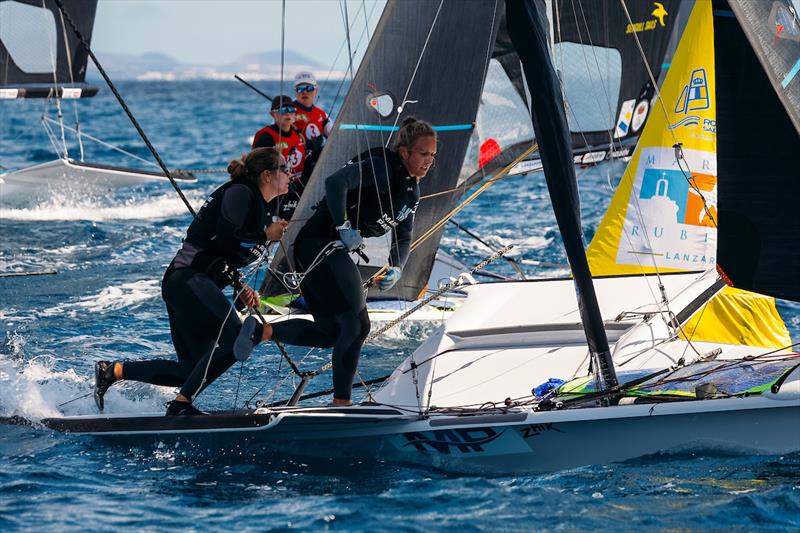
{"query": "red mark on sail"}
(489, 150)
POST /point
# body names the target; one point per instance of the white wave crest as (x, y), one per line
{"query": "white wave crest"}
(111, 298)
(162, 206)
(35, 389)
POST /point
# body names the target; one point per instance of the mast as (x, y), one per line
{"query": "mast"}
(527, 26)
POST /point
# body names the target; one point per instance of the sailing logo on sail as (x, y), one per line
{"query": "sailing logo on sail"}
(694, 97)
(673, 223)
(657, 21)
(624, 120)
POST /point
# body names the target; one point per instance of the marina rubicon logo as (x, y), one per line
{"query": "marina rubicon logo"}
(657, 21)
(671, 217)
(694, 96)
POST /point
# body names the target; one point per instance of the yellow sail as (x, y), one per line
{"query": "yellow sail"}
(663, 212)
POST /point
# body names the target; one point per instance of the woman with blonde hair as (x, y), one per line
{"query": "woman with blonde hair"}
(375, 193)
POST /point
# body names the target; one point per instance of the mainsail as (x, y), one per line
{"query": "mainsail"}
(39, 51)
(758, 55)
(412, 67)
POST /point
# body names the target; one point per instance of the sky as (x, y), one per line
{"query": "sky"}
(219, 31)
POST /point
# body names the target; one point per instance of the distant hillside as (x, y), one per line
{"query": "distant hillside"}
(157, 66)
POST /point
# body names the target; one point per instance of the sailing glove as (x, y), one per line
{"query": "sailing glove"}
(351, 238)
(391, 277)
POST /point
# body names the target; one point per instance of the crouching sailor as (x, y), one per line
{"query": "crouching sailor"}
(375, 193)
(229, 232)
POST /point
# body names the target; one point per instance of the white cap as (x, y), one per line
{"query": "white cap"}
(305, 77)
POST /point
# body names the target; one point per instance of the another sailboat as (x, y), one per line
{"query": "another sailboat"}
(40, 57)
(481, 111)
(475, 412)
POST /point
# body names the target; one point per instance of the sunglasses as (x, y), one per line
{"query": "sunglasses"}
(284, 169)
(305, 88)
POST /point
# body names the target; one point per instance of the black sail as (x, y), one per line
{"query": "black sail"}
(757, 54)
(32, 32)
(527, 27)
(432, 55)
(604, 79)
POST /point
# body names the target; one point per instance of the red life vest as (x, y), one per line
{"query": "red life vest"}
(293, 147)
(312, 123)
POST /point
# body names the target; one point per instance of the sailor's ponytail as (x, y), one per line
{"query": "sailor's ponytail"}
(251, 165)
(411, 130)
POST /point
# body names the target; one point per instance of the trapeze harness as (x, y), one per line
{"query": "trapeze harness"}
(228, 233)
(375, 203)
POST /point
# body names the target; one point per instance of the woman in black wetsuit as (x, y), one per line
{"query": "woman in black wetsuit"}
(228, 233)
(373, 194)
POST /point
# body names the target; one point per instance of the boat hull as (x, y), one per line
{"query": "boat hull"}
(65, 176)
(516, 441)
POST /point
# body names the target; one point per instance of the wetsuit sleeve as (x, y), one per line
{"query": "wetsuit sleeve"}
(235, 205)
(263, 141)
(348, 178)
(401, 242)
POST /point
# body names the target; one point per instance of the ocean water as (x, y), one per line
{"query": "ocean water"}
(105, 303)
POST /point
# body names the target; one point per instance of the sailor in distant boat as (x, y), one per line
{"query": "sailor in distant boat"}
(229, 232)
(312, 121)
(282, 133)
(375, 193)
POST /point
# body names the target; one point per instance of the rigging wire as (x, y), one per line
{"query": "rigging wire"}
(124, 106)
(53, 49)
(416, 67)
(72, 81)
(355, 50)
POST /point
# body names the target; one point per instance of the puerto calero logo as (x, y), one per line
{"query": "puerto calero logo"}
(694, 97)
(671, 215)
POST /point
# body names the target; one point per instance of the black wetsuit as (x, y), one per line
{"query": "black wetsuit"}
(374, 202)
(285, 205)
(229, 230)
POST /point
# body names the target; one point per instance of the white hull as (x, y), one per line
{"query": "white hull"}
(516, 441)
(65, 176)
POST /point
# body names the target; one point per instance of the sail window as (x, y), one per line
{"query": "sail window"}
(31, 55)
(503, 121)
(591, 77)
